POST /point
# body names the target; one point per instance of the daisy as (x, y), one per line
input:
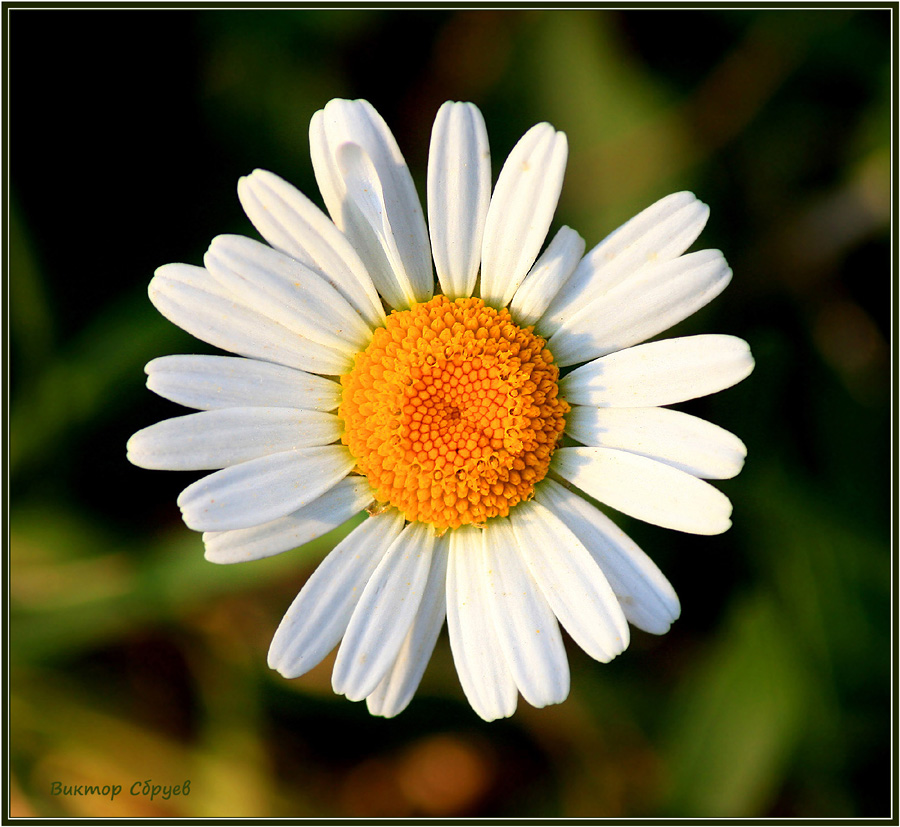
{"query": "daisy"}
(441, 408)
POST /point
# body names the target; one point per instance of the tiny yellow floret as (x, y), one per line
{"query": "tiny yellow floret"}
(452, 412)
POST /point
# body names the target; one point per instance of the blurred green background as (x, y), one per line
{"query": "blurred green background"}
(132, 658)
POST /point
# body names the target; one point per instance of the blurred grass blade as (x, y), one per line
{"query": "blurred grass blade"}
(739, 719)
(31, 317)
(83, 384)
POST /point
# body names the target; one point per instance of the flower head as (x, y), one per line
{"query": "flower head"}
(440, 409)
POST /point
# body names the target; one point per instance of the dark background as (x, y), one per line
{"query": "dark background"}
(132, 658)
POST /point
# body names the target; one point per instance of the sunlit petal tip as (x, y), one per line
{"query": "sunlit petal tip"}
(459, 191)
(638, 308)
(646, 489)
(333, 508)
(319, 615)
(263, 489)
(645, 595)
(671, 437)
(385, 614)
(521, 209)
(526, 627)
(547, 277)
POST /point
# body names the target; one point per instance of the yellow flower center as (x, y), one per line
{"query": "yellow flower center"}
(452, 412)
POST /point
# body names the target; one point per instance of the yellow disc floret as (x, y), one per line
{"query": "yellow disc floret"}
(452, 412)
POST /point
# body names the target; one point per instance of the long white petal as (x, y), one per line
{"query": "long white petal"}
(217, 439)
(546, 278)
(384, 615)
(677, 439)
(571, 581)
(368, 222)
(263, 489)
(398, 686)
(356, 122)
(641, 307)
(290, 222)
(522, 207)
(326, 171)
(526, 626)
(212, 382)
(337, 505)
(483, 673)
(658, 234)
(286, 291)
(660, 373)
(645, 595)
(645, 489)
(459, 192)
(197, 303)
(318, 617)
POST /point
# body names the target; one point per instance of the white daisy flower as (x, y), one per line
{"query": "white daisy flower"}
(357, 387)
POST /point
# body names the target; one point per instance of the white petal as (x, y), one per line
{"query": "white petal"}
(546, 278)
(290, 222)
(482, 669)
(287, 292)
(677, 439)
(661, 296)
(209, 382)
(217, 439)
(385, 613)
(318, 617)
(197, 303)
(521, 210)
(263, 489)
(368, 223)
(661, 232)
(645, 489)
(645, 595)
(326, 171)
(660, 373)
(357, 122)
(459, 192)
(571, 581)
(398, 686)
(526, 626)
(337, 505)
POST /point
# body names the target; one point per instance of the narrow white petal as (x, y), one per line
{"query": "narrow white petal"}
(572, 582)
(217, 439)
(660, 233)
(526, 626)
(385, 613)
(546, 278)
(645, 489)
(290, 222)
(263, 489)
(325, 168)
(211, 382)
(645, 595)
(337, 505)
(356, 122)
(398, 686)
(641, 307)
(197, 303)
(522, 207)
(660, 373)
(677, 439)
(483, 673)
(318, 617)
(286, 291)
(368, 222)
(459, 192)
